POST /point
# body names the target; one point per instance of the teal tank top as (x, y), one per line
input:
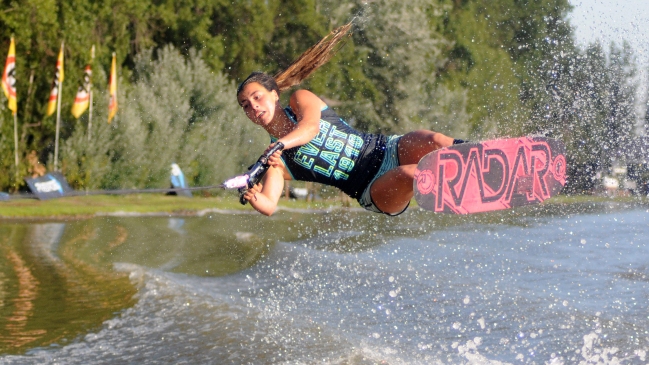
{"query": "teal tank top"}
(338, 156)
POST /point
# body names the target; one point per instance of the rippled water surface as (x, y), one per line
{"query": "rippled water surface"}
(541, 285)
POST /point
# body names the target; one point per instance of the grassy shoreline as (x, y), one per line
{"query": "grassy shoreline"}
(81, 207)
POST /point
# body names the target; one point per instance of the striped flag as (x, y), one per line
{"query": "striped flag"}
(56, 84)
(112, 90)
(82, 100)
(9, 78)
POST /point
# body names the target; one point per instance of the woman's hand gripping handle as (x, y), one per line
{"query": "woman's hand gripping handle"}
(257, 171)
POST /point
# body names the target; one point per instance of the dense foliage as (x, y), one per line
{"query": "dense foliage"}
(177, 111)
(469, 68)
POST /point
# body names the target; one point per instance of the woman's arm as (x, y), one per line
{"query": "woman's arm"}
(264, 197)
(307, 106)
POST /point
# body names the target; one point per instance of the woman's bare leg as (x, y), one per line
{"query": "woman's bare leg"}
(393, 191)
(415, 145)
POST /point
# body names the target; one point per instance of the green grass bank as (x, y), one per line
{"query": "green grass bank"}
(136, 204)
(156, 204)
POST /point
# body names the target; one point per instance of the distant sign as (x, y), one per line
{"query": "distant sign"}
(48, 186)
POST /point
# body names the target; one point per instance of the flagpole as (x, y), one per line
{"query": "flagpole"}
(16, 144)
(58, 119)
(92, 58)
(58, 127)
(90, 116)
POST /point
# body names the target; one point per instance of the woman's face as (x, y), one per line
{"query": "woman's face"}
(258, 103)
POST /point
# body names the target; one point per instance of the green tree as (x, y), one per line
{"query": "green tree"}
(621, 98)
(39, 27)
(177, 111)
(388, 78)
(498, 48)
(583, 129)
(588, 102)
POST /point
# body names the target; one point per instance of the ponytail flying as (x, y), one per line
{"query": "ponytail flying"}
(308, 62)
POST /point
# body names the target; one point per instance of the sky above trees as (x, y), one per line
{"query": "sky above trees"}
(612, 20)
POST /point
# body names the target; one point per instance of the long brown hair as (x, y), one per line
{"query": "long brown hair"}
(309, 61)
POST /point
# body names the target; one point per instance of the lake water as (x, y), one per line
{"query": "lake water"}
(555, 284)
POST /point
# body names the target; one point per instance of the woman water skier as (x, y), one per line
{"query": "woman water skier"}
(319, 146)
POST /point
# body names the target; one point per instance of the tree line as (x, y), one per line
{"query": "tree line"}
(473, 69)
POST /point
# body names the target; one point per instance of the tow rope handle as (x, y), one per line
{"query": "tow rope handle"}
(257, 171)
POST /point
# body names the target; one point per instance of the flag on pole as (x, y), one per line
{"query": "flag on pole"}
(56, 84)
(82, 100)
(9, 78)
(112, 90)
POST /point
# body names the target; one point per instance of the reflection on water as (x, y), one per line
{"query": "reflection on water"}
(58, 280)
(540, 285)
(49, 294)
(16, 334)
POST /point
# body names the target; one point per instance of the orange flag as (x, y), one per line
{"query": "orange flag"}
(9, 77)
(112, 90)
(56, 84)
(82, 100)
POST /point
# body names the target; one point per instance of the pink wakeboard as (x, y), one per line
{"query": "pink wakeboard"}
(490, 175)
